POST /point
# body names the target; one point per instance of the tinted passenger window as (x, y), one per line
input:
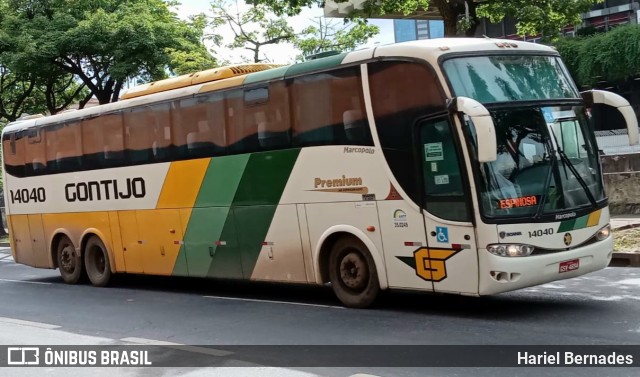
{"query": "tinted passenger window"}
(402, 92)
(64, 147)
(13, 153)
(328, 108)
(198, 126)
(102, 141)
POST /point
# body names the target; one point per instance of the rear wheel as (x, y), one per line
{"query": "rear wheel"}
(96, 262)
(69, 261)
(352, 273)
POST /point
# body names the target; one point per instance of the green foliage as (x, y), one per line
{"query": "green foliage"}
(546, 17)
(101, 43)
(334, 36)
(254, 28)
(612, 56)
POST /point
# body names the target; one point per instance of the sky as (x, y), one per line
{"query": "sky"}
(281, 53)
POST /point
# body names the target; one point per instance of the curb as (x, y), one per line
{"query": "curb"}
(625, 227)
(625, 260)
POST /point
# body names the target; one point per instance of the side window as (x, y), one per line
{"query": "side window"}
(268, 108)
(160, 129)
(328, 108)
(64, 147)
(198, 126)
(35, 153)
(13, 150)
(137, 138)
(443, 184)
(102, 142)
(241, 127)
(402, 92)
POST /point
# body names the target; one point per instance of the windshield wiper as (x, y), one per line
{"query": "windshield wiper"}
(547, 182)
(575, 173)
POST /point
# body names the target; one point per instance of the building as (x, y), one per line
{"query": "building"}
(410, 30)
(602, 17)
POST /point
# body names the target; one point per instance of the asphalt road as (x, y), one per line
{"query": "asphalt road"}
(600, 308)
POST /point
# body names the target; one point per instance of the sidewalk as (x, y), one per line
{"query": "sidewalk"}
(625, 222)
(625, 259)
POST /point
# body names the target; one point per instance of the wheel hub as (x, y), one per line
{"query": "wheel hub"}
(68, 260)
(353, 271)
(99, 261)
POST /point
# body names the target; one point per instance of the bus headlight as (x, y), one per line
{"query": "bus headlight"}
(510, 250)
(603, 233)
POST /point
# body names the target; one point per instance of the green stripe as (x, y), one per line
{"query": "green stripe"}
(235, 205)
(254, 205)
(581, 222)
(221, 180)
(316, 65)
(566, 225)
(268, 75)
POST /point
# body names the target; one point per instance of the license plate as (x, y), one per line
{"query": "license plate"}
(569, 265)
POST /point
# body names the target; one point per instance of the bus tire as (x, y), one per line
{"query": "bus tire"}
(69, 261)
(96, 262)
(353, 273)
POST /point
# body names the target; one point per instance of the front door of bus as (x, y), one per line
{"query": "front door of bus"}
(451, 252)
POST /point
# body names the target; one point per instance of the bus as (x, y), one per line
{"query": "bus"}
(463, 166)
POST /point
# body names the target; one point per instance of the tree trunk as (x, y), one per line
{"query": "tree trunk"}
(451, 10)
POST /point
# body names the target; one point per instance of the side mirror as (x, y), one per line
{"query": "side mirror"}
(485, 129)
(621, 104)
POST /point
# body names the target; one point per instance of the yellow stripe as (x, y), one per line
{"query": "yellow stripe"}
(222, 84)
(182, 184)
(594, 218)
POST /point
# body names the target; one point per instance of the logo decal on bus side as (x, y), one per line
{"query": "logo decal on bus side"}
(429, 263)
(343, 184)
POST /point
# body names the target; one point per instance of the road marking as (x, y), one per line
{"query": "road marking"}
(24, 281)
(21, 322)
(274, 302)
(179, 346)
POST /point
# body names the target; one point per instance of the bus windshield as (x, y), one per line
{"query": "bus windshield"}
(547, 162)
(500, 78)
(547, 156)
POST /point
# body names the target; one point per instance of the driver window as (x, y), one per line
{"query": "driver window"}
(444, 192)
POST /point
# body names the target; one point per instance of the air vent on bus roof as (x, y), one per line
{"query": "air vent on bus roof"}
(183, 81)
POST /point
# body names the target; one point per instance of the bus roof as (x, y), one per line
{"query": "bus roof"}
(247, 74)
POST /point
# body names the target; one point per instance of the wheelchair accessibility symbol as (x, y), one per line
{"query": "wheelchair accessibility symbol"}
(442, 234)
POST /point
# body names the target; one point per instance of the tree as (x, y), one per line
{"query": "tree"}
(252, 29)
(612, 57)
(101, 43)
(333, 35)
(545, 17)
(257, 27)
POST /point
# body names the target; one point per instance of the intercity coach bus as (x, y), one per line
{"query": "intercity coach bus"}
(464, 166)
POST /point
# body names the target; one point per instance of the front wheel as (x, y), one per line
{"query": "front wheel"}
(352, 273)
(96, 262)
(69, 261)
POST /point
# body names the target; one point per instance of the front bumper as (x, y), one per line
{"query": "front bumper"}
(503, 274)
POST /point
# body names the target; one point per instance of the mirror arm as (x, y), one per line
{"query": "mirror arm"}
(604, 97)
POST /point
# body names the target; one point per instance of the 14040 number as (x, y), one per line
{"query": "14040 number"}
(541, 232)
(35, 195)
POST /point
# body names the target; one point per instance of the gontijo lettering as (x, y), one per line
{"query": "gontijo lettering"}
(105, 190)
